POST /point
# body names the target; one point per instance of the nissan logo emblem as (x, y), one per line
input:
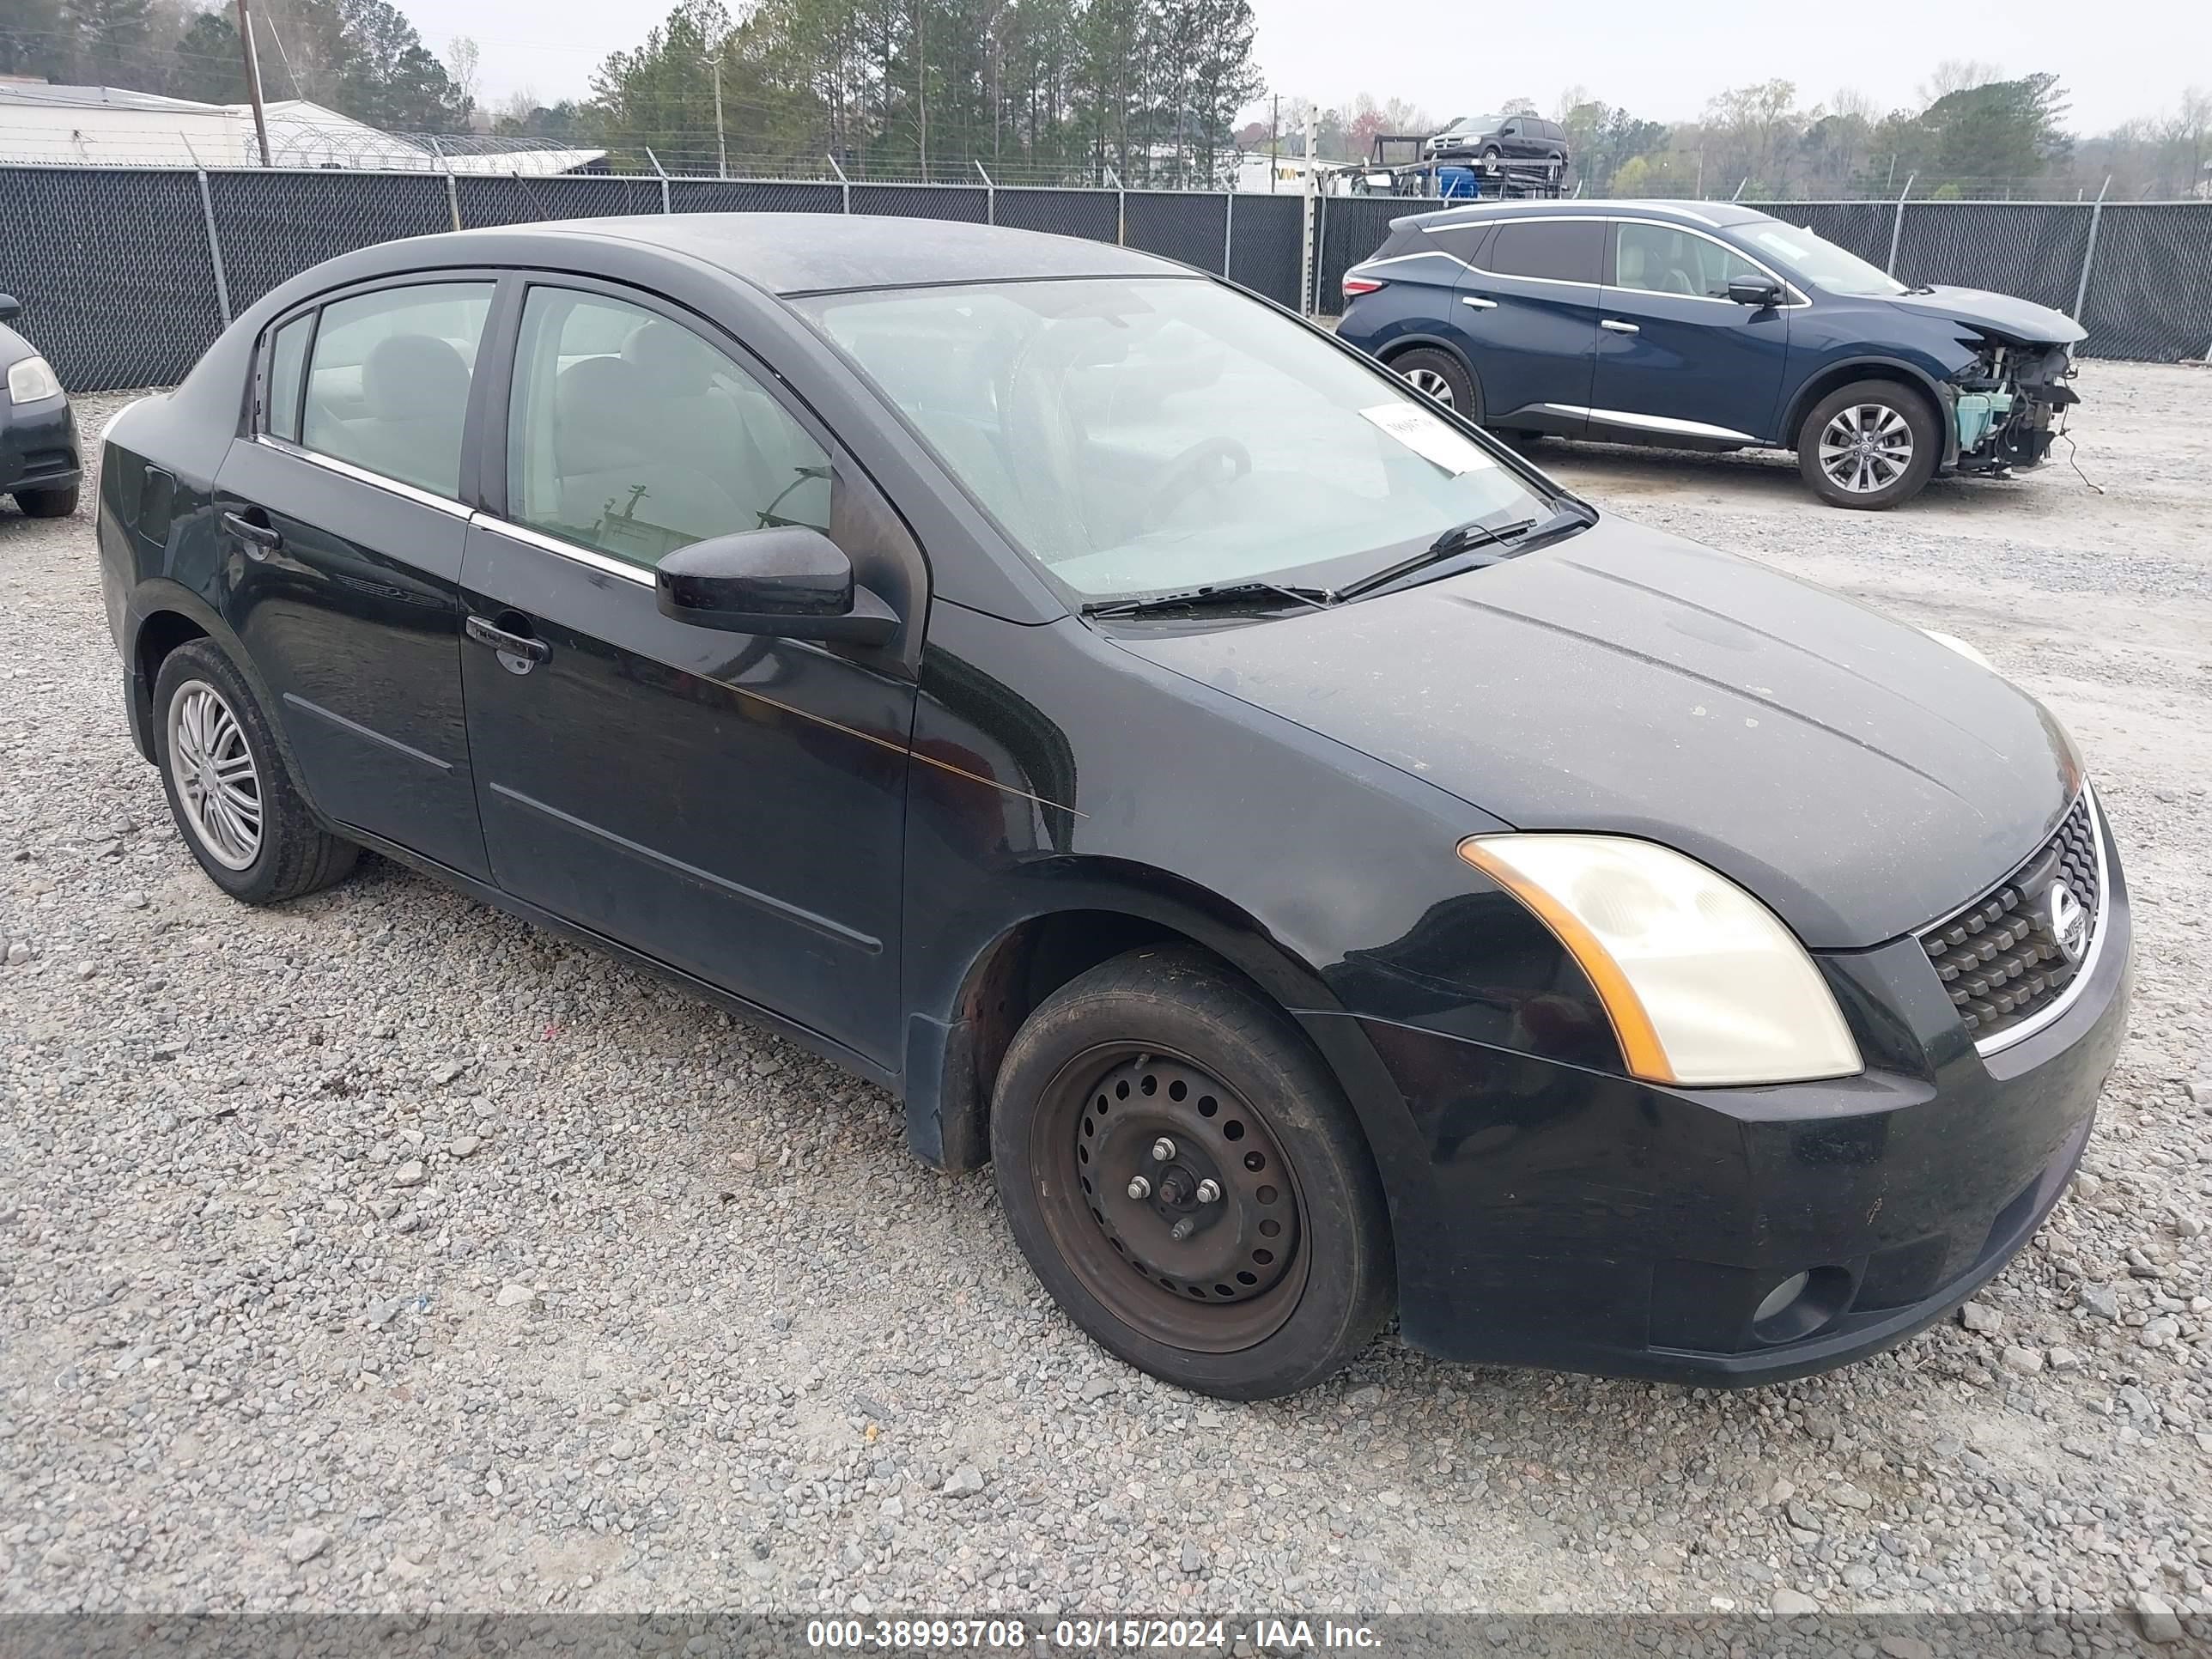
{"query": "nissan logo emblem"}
(2068, 920)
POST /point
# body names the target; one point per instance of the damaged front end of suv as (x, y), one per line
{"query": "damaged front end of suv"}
(2007, 404)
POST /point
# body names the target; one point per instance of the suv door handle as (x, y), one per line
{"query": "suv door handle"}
(261, 540)
(517, 652)
(1620, 327)
(1479, 305)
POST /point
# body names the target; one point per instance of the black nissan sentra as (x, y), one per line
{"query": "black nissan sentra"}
(1325, 868)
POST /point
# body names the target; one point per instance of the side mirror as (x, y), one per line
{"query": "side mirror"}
(10, 307)
(1754, 290)
(790, 582)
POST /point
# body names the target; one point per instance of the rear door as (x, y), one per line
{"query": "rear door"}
(1675, 356)
(1530, 312)
(343, 525)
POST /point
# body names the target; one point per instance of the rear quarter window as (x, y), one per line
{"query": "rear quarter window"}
(1556, 250)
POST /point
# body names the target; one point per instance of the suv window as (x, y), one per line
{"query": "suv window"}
(631, 434)
(1559, 250)
(1662, 259)
(388, 384)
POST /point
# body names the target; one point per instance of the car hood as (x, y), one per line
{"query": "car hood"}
(1861, 777)
(2021, 322)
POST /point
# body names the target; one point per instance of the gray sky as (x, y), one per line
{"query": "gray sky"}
(2119, 59)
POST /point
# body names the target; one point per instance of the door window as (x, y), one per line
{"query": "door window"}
(287, 373)
(630, 434)
(1556, 250)
(1662, 259)
(388, 383)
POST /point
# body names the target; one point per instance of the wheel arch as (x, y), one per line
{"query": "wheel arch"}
(164, 614)
(1834, 376)
(1419, 340)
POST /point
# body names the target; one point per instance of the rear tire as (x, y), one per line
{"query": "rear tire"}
(1439, 375)
(1266, 1286)
(233, 801)
(1870, 445)
(48, 503)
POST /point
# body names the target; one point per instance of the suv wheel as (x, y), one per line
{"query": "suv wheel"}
(232, 800)
(1440, 375)
(1870, 445)
(1186, 1180)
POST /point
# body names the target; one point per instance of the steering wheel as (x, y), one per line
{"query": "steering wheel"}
(1209, 464)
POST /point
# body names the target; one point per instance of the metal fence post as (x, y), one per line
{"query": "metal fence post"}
(1228, 228)
(843, 183)
(663, 172)
(2089, 254)
(1121, 209)
(1897, 226)
(214, 248)
(990, 198)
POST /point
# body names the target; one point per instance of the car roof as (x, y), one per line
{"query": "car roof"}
(1712, 214)
(813, 252)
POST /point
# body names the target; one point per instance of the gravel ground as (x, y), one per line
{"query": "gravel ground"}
(382, 1253)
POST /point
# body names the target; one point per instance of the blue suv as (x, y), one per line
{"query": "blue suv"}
(1706, 325)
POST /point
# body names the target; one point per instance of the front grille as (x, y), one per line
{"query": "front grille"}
(1999, 957)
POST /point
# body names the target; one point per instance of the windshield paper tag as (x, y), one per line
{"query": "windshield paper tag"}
(1428, 437)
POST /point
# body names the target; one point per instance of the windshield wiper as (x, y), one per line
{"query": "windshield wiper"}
(1457, 539)
(1197, 598)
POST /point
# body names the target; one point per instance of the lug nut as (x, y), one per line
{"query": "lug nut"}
(1182, 1229)
(1163, 1150)
(1140, 1188)
(1208, 1190)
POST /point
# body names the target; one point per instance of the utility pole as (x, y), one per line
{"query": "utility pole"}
(254, 81)
(721, 143)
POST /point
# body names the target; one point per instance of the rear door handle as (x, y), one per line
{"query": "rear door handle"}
(261, 540)
(1620, 327)
(1479, 305)
(517, 653)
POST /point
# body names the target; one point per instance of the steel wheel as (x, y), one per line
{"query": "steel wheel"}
(1431, 383)
(1866, 447)
(213, 769)
(1171, 1199)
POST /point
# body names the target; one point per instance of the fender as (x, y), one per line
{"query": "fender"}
(1827, 374)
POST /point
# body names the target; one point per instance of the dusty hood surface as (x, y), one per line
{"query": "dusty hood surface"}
(2020, 321)
(1860, 777)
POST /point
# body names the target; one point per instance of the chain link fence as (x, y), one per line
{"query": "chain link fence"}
(127, 274)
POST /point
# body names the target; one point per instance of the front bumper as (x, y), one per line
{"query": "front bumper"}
(1578, 1221)
(38, 445)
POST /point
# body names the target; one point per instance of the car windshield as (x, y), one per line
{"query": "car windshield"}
(1475, 122)
(1138, 436)
(1818, 261)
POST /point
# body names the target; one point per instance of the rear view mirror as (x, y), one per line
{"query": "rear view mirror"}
(10, 307)
(1754, 290)
(791, 582)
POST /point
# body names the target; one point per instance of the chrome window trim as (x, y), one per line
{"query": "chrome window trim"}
(1652, 423)
(589, 557)
(363, 475)
(2057, 1008)
(1797, 302)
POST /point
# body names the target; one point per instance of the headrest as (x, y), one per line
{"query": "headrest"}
(676, 361)
(412, 377)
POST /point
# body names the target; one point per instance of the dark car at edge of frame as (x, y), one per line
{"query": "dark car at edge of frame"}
(39, 462)
(1322, 866)
(1709, 326)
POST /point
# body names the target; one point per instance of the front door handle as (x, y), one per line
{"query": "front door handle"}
(1479, 305)
(517, 653)
(1620, 327)
(261, 539)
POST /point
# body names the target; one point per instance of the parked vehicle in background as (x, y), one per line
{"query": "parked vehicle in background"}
(1715, 327)
(1495, 141)
(39, 465)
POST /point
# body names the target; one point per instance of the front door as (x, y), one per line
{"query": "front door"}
(1675, 356)
(1529, 317)
(343, 530)
(730, 804)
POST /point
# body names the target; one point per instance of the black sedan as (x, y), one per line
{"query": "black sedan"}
(1324, 866)
(38, 456)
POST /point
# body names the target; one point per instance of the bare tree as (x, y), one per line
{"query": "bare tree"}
(1959, 75)
(465, 63)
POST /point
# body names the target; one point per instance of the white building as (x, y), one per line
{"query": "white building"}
(108, 127)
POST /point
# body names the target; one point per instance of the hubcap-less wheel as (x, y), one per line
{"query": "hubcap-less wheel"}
(1433, 385)
(1172, 1199)
(1866, 447)
(213, 772)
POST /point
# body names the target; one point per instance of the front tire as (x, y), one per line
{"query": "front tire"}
(1440, 376)
(1187, 1179)
(48, 503)
(1870, 445)
(233, 800)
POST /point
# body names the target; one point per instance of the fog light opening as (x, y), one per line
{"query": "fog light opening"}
(1800, 1304)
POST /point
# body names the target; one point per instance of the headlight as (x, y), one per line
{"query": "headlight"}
(33, 380)
(1960, 646)
(1703, 983)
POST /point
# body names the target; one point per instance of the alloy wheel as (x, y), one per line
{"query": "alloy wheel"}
(1866, 447)
(213, 770)
(1431, 384)
(1171, 1197)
